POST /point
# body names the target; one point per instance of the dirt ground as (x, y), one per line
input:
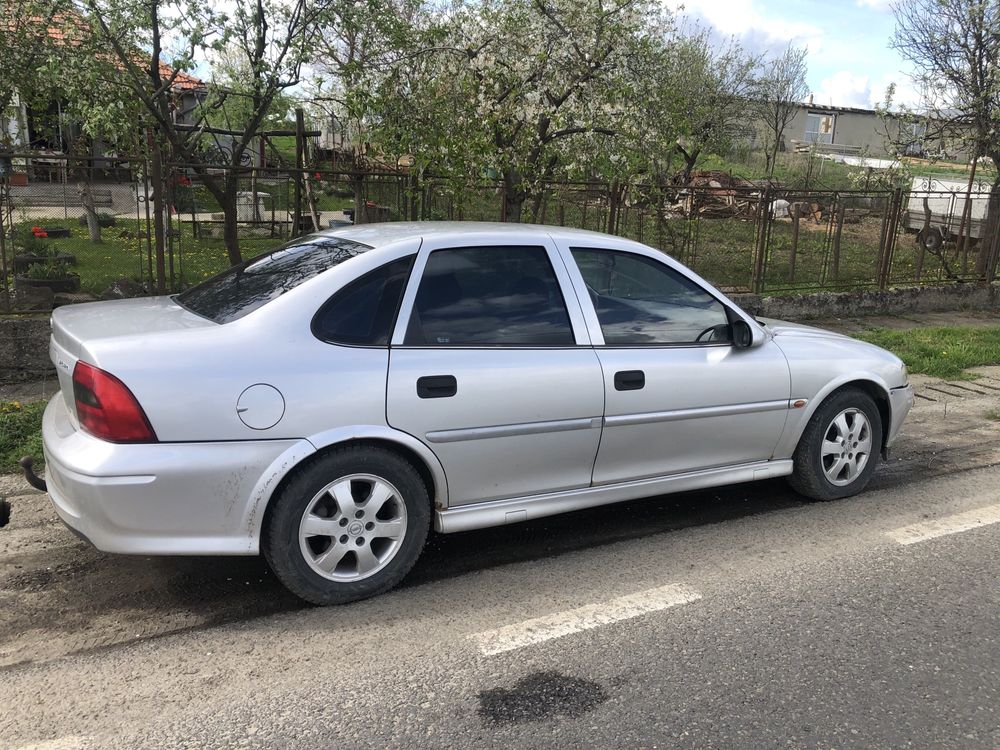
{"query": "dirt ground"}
(58, 595)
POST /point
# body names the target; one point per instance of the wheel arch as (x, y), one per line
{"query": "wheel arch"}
(285, 466)
(870, 384)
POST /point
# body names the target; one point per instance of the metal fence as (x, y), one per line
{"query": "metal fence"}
(768, 240)
(74, 229)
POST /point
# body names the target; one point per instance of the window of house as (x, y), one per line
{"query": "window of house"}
(915, 145)
(640, 301)
(819, 127)
(489, 296)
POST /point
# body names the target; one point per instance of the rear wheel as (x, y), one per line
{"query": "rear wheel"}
(347, 526)
(839, 449)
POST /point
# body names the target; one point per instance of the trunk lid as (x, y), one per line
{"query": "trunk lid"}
(77, 330)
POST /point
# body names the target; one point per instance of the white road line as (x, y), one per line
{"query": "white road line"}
(921, 532)
(63, 743)
(541, 629)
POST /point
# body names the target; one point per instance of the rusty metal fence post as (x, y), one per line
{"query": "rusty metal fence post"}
(796, 214)
(760, 250)
(836, 240)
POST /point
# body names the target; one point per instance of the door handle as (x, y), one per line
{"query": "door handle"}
(630, 380)
(437, 386)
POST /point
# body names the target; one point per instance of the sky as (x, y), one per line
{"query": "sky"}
(849, 59)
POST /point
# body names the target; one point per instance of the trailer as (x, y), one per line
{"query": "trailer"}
(935, 208)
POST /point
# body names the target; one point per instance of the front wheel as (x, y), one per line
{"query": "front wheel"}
(347, 526)
(838, 451)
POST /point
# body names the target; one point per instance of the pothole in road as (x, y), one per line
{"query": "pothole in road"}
(542, 695)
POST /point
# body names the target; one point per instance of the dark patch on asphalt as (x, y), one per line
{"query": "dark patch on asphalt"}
(542, 695)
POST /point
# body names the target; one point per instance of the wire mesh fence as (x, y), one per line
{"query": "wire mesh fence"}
(74, 230)
(70, 227)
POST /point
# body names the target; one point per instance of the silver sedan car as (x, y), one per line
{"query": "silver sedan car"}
(325, 402)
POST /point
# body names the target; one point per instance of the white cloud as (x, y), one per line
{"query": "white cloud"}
(847, 89)
(881, 5)
(743, 18)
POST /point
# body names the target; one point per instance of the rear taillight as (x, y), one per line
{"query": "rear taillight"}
(107, 409)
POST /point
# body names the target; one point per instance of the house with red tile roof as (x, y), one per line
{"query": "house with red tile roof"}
(46, 128)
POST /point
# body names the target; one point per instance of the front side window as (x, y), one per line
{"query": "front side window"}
(363, 313)
(639, 301)
(242, 289)
(489, 296)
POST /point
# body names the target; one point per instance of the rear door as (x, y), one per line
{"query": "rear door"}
(491, 367)
(679, 396)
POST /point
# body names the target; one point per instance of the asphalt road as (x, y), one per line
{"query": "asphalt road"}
(739, 618)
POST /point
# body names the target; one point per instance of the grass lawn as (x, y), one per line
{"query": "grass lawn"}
(944, 352)
(20, 434)
(120, 254)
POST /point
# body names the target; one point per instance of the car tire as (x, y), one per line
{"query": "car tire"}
(828, 462)
(347, 526)
(931, 240)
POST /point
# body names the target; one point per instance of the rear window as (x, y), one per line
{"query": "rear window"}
(252, 284)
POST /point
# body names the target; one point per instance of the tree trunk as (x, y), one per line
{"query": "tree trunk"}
(989, 237)
(159, 234)
(514, 196)
(772, 157)
(613, 192)
(225, 196)
(414, 192)
(536, 206)
(231, 228)
(93, 223)
(690, 160)
(359, 198)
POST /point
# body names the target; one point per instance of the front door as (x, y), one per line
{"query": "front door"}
(679, 396)
(492, 369)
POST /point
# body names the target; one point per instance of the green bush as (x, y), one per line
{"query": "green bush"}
(28, 244)
(20, 433)
(50, 269)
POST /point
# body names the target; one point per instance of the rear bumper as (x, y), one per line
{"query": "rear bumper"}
(161, 498)
(900, 402)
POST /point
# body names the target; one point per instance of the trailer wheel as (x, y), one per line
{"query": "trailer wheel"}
(931, 239)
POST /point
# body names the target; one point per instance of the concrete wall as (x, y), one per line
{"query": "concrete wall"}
(902, 301)
(24, 349)
(863, 131)
(859, 130)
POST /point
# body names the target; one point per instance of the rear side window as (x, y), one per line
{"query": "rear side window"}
(252, 284)
(363, 313)
(489, 296)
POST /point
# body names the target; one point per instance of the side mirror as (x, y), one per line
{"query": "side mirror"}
(742, 334)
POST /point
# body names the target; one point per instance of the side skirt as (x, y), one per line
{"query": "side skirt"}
(517, 509)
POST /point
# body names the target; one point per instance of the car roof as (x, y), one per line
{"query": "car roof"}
(380, 234)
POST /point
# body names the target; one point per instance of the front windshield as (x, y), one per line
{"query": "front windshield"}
(252, 284)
